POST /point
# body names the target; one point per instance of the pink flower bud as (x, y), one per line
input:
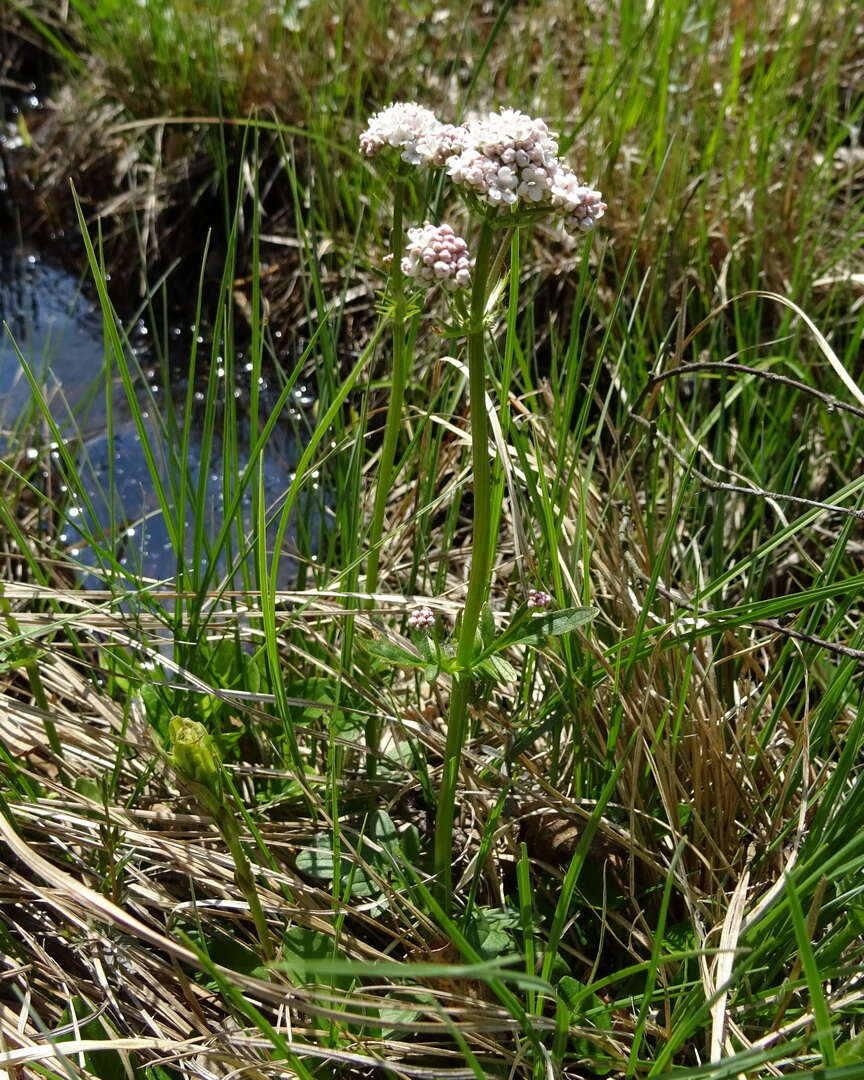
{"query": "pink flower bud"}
(422, 618)
(539, 600)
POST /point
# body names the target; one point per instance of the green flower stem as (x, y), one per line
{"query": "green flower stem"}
(391, 431)
(245, 879)
(481, 548)
(499, 486)
(478, 575)
(397, 389)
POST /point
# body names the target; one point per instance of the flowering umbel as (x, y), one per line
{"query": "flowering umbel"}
(434, 254)
(582, 205)
(439, 143)
(505, 158)
(402, 126)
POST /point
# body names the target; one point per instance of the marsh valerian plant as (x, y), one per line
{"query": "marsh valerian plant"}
(506, 167)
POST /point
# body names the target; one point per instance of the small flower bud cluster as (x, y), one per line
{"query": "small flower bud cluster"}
(436, 254)
(538, 599)
(422, 618)
(401, 125)
(507, 156)
(583, 206)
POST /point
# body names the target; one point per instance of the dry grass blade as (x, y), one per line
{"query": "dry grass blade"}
(723, 965)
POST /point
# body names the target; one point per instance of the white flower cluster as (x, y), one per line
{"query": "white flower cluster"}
(507, 156)
(438, 144)
(583, 206)
(402, 126)
(436, 254)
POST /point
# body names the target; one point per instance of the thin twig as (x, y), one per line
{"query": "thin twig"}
(741, 489)
(811, 639)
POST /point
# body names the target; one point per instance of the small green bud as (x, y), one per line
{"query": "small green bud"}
(196, 761)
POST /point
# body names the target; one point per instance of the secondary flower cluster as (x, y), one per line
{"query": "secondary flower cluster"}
(505, 158)
(539, 600)
(401, 126)
(436, 254)
(422, 618)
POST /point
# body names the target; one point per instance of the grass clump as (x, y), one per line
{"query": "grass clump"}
(617, 832)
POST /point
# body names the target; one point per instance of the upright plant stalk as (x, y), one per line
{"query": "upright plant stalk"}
(397, 387)
(391, 430)
(478, 574)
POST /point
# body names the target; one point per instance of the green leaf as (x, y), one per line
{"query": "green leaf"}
(103, 1064)
(851, 1052)
(497, 668)
(494, 930)
(345, 725)
(397, 842)
(425, 645)
(318, 862)
(159, 1072)
(300, 946)
(486, 626)
(381, 828)
(399, 1014)
(553, 624)
(383, 846)
(391, 652)
(230, 953)
(17, 656)
(591, 1009)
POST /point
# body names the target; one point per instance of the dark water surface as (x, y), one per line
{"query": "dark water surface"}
(58, 329)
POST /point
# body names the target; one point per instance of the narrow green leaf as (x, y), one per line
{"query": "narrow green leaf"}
(553, 624)
(389, 651)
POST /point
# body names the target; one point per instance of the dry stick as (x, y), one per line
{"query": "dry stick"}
(680, 600)
(811, 639)
(826, 350)
(832, 403)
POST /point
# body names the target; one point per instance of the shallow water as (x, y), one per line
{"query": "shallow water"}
(58, 330)
(59, 333)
